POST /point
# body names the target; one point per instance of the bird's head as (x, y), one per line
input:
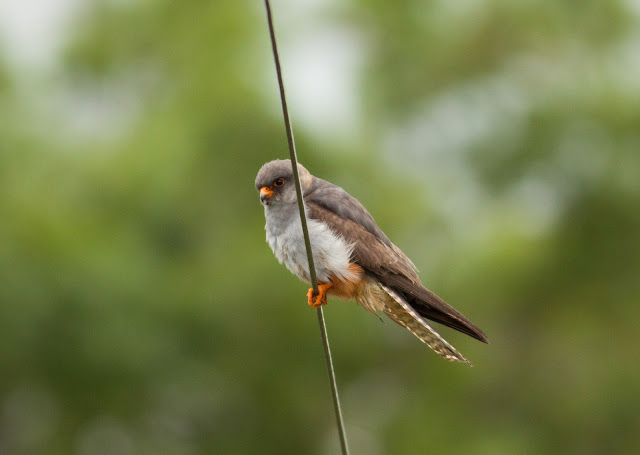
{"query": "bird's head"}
(276, 185)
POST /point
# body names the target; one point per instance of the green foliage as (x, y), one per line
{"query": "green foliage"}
(143, 313)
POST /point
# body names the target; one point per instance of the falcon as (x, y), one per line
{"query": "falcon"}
(354, 259)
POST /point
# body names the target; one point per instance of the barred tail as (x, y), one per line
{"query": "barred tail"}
(402, 313)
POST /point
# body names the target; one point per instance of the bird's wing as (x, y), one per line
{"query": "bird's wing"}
(404, 314)
(338, 201)
(382, 259)
(369, 250)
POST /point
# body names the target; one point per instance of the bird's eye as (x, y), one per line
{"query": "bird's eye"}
(278, 182)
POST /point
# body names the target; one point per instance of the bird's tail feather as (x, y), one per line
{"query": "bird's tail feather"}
(398, 310)
(428, 305)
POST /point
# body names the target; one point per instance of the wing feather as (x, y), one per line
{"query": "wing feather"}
(380, 258)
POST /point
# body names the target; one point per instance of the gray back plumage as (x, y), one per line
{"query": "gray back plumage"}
(338, 201)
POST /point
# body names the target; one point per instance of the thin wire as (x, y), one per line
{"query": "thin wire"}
(292, 150)
(305, 232)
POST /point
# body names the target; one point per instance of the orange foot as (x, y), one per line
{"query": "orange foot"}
(321, 299)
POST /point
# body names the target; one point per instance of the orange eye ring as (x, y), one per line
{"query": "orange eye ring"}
(278, 182)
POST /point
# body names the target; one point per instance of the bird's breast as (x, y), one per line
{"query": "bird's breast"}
(331, 253)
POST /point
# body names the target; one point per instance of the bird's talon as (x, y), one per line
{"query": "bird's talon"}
(321, 298)
(310, 297)
(318, 301)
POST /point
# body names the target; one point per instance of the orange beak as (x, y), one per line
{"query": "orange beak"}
(265, 193)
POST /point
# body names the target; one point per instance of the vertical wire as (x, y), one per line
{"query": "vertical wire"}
(292, 150)
(305, 231)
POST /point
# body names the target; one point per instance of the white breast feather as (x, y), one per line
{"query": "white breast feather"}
(331, 253)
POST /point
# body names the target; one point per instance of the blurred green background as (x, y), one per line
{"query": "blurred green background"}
(142, 312)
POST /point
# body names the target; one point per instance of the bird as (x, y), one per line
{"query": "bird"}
(353, 258)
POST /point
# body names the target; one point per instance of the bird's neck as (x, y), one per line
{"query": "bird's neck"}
(280, 216)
